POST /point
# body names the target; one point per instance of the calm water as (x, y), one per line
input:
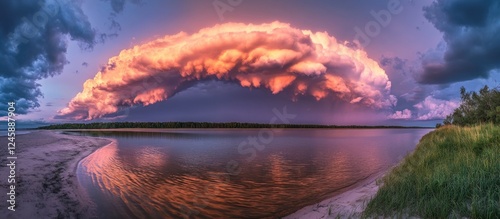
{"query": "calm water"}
(219, 173)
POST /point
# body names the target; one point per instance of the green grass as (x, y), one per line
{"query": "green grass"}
(454, 172)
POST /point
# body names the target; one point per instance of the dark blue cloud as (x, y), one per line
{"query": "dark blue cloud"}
(218, 101)
(471, 32)
(400, 72)
(119, 5)
(33, 44)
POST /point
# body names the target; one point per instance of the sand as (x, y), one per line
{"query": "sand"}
(349, 204)
(46, 184)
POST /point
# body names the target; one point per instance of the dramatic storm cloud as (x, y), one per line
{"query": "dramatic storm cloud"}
(273, 56)
(33, 44)
(471, 30)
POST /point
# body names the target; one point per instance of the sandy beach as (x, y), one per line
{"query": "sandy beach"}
(348, 204)
(46, 184)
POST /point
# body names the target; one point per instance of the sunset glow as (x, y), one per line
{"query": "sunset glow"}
(274, 55)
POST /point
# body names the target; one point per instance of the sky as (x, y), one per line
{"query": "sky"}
(384, 62)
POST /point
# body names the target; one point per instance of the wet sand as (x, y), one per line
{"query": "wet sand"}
(348, 204)
(46, 184)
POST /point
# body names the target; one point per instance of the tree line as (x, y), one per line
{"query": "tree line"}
(175, 125)
(476, 108)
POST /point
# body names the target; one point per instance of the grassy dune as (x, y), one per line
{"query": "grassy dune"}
(454, 172)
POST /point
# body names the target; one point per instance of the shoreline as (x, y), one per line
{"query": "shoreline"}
(349, 203)
(46, 181)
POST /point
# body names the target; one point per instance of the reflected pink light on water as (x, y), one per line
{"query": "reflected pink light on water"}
(183, 174)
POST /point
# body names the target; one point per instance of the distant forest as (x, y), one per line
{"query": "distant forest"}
(118, 125)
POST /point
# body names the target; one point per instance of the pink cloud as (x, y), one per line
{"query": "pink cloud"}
(432, 108)
(404, 114)
(272, 56)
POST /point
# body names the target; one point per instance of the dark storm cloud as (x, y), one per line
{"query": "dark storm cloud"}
(403, 85)
(227, 102)
(119, 5)
(33, 38)
(33, 44)
(471, 31)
